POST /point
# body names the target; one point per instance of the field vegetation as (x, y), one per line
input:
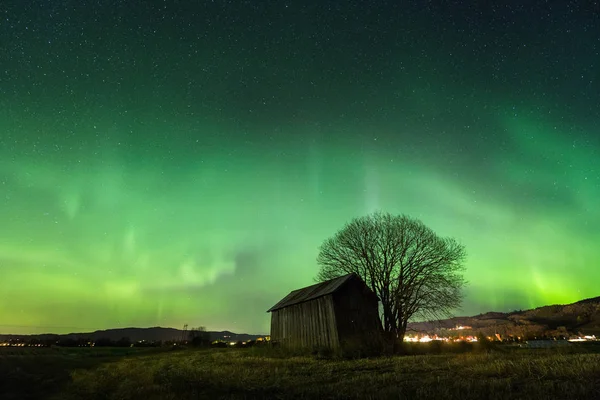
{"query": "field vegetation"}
(40, 372)
(424, 372)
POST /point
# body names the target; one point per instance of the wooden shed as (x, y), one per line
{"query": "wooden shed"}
(338, 313)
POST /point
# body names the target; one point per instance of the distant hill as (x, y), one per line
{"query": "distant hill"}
(134, 335)
(580, 318)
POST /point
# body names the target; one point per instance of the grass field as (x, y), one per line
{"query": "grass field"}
(267, 373)
(39, 372)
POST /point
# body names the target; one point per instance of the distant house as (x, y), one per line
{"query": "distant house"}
(338, 313)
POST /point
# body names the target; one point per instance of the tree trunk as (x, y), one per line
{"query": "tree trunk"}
(388, 318)
(402, 330)
(390, 343)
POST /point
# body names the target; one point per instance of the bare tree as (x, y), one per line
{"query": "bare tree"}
(414, 272)
(199, 336)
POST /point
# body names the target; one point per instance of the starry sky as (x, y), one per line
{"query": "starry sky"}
(180, 162)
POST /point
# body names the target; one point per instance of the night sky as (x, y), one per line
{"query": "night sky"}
(171, 162)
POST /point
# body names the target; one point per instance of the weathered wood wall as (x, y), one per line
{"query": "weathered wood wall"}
(307, 325)
(357, 315)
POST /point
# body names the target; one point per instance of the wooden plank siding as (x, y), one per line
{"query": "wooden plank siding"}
(307, 325)
(339, 313)
(357, 315)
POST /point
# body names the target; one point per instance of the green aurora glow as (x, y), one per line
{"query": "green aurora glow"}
(154, 171)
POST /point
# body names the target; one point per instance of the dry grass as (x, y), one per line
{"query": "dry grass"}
(37, 373)
(273, 373)
(244, 374)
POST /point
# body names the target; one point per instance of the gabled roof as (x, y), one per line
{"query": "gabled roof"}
(312, 292)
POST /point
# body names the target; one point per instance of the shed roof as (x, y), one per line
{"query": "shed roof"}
(312, 292)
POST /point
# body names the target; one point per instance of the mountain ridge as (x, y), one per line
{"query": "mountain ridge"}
(134, 334)
(557, 320)
(578, 318)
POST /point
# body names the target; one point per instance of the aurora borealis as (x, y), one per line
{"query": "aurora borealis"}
(177, 162)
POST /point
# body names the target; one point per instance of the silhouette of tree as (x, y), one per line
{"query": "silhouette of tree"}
(414, 272)
(199, 336)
